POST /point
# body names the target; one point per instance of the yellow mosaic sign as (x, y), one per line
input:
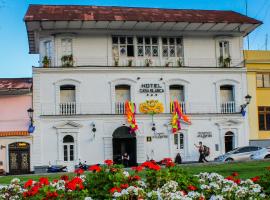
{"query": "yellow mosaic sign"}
(151, 107)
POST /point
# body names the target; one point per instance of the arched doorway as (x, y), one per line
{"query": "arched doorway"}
(229, 141)
(19, 158)
(124, 141)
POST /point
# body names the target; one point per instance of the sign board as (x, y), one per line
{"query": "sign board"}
(204, 134)
(151, 89)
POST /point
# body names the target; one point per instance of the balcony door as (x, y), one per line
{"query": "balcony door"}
(67, 99)
(122, 94)
(227, 99)
(177, 93)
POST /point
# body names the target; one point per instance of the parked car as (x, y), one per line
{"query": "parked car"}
(238, 154)
(264, 153)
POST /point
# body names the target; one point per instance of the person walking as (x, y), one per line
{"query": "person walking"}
(200, 148)
(125, 159)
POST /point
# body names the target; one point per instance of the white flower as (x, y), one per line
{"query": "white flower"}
(88, 198)
(126, 173)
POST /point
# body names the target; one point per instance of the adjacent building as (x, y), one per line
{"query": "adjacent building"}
(15, 141)
(258, 76)
(94, 59)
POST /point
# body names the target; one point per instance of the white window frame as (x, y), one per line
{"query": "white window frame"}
(64, 50)
(68, 145)
(144, 45)
(175, 46)
(223, 50)
(180, 142)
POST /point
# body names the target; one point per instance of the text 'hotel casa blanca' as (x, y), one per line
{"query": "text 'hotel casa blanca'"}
(111, 78)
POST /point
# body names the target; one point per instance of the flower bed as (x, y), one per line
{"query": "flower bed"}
(147, 181)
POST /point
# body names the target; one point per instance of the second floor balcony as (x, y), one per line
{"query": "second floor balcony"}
(73, 108)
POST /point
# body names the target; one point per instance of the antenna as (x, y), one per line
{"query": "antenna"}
(246, 1)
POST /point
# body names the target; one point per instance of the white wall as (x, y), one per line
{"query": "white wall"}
(96, 50)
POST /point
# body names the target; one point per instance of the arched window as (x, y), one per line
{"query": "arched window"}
(177, 93)
(227, 99)
(122, 94)
(68, 148)
(67, 99)
(229, 141)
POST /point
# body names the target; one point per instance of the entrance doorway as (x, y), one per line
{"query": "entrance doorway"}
(19, 158)
(229, 141)
(124, 142)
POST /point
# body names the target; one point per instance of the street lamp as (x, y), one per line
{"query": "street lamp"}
(243, 106)
(30, 114)
(31, 127)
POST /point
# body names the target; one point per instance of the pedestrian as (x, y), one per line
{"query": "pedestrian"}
(178, 159)
(125, 159)
(200, 148)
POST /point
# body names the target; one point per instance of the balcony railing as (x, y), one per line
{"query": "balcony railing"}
(99, 108)
(182, 104)
(155, 61)
(228, 107)
(120, 108)
(67, 108)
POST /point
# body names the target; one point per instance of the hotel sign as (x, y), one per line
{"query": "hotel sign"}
(151, 88)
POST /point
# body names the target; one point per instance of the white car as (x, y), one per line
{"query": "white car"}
(264, 153)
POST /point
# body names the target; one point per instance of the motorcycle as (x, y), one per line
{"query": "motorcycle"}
(55, 169)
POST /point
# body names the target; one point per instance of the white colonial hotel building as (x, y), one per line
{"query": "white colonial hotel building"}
(120, 54)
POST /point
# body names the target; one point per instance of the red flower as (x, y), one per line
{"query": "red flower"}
(230, 178)
(64, 177)
(235, 174)
(94, 168)
(52, 195)
(134, 178)
(151, 165)
(255, 179)
(108, 162)
(55, 181)
(170, 164)
(192, 187)
(44, 181)
(166, 160)
(201, 198)
(79, 171)
(115, 189)
(137, 169)
(237, 181)
(28, 183)
(124, 186)
(75, 184)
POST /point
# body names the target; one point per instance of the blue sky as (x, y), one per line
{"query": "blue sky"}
(16, 62)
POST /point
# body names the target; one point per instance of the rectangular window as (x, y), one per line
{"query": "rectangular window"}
(71, 153)
(65, 153)
(179, 140)
(172, 47)
(224, 49)
(48, 49)
(263, 80)
(147, 46)
(122, 93)
(264, 118)
(123, 46)
(66, 46)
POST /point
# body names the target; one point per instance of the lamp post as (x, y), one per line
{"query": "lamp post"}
(30, 114)
(243, 106)
(31, 127)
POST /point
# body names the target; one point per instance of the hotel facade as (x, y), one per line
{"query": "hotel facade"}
(94, 59)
